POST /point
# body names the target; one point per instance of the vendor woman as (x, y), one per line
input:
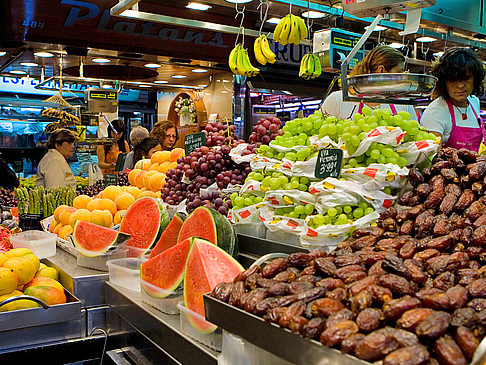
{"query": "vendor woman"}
(53, 170)
(454, 114)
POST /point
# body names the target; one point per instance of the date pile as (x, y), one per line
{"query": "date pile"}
(409, 291)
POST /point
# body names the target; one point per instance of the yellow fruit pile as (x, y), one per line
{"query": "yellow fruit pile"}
(149, 175)
(22, 273)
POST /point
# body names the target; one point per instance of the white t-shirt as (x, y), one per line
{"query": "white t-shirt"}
(334, 105)
(54, 171)
(437, 118)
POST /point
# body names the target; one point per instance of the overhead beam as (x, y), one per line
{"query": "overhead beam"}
(122, 6)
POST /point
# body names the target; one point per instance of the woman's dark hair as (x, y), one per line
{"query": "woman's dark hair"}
(119, 126)
(59, 136)
(381, 55)
(458, 63)
(159, 131)
(143, 148)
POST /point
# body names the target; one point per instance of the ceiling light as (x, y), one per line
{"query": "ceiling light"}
(144, 85)
(274, 20)
(239, 1)
(426, 39)
(199, 70)
(29, 64)
(161, 82)
(313, 14)
(18, 72)
(107, 86)
(438, 54)
(202, 85)
(198, 6)
(224, 92)
(378, 28)
(179, 76)
(152, 65)
(43, 54)
(100, 60)
(396, 45)
(2, 53)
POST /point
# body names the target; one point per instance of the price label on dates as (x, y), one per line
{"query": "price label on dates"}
(329, 163)
(193, 141)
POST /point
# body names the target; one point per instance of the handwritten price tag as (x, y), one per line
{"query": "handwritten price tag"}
(193, 141)
(329, 163)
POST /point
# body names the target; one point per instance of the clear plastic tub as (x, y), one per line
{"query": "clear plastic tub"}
(281, 236)
(167, 304)
(99, 262)
(251, 229)
(125, 273)
(137, 252)
(42, 244)
(236, 351)
(212, 340)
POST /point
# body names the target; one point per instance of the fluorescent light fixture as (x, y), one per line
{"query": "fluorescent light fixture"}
(144, 85)
(378, 28)
(224, 92)
(29, 64)
(438, 54)
(312, 14)
(107, 86)
(18, 72)
(161, 82)
(202, 85)
(100, 60)
(426, 39)
(396, 45)
(199, 70)
(43, 54)
(239, 1)
(3, 53)
(198, 6)
(274, 20)
(179, 76)
(152, 65)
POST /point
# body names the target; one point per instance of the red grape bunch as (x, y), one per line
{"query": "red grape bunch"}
(266, 130)
(217, 135)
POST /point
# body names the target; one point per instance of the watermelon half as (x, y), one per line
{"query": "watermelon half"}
(207, 265)
(168, 238)
(212, 226)
(144, 221)
(92, 240)
(166, 270)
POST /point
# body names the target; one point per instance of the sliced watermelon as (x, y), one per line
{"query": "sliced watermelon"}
(144, 221)
(93, 240)
(166, 270)
(169, 236)
(210, 225)
(207, 265)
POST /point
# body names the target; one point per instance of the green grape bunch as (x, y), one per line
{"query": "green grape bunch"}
(376, 153)
(279, 181)
(245, 200)
(300, 211)
(340, 215)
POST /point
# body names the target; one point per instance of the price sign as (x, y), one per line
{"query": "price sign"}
(193, 141)
(329, 163)
(111, 179)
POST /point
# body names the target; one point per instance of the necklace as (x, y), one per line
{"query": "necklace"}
(463, 113)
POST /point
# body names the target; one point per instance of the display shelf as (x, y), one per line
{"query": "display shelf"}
(162, 330)
(259, 246)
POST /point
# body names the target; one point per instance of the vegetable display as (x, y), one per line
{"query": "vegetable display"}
(40, 200)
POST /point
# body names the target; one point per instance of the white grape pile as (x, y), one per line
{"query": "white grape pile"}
(340, 215)
(300, 211)
(275, 180)
(245, 200)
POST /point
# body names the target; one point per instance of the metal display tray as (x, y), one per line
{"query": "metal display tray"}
(277, 340)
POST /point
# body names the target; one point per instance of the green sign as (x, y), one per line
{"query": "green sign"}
(111, 179)
(193, 141)
(120, 161)
(329, 161)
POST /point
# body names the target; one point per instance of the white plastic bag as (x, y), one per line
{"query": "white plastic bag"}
(288, 198)
(386, 135)
(253, 187)
(417, 152)
(249, 214)
(236, 154)
(382, 174)
(94, 173)
(276, 223)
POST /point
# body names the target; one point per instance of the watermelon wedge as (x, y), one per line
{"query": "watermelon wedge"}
(144, 221)
(209, 224)
(166, 270)
(169, 236)
(207, 265)
(93, 240)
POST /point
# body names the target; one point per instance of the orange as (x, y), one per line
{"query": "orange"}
(164, 167)
(147, 193)
(117, 218)
(154, 166)
(124, 201)
(58, 212)
(143, 164)
(42, 281)
(97, 217)
(173, 165)
(131, 176)
(92, 205)
(108, 218)
(65, 231)
(139, 179)
(160, 157)
(57, 229)
(134, 191)
(147, 177)
(176, 153)
(81, 201)
(156, 182)
(52, 226)
(66, 215)
(107, 204)
(111, 192)
(79, 215)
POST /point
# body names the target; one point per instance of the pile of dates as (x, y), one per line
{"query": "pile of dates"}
(409, 291)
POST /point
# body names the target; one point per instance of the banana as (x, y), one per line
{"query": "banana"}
(242, 67)
(278, 29)
(267, 52)
(294, 36)
(304, 33)
(317, 66)
(284, 34)
(233, 60)
(257, 48)
(252, 71)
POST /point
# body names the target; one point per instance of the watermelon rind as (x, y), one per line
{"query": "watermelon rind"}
(96, 232)
(200, 221)
(172, 230)
(142, 238)
(155, 292)
(225, 269)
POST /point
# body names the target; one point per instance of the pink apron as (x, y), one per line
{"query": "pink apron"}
(464, 137)
(392, 108)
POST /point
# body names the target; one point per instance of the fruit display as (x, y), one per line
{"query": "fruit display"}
(123, 179)
(28, 182)
(81, 183)
(409, 290)
(93, 240)
(263, 53)
(92, 190)
(40, 200)
(5, 244)
(266, 130)
(290, 30)
(218, 134)
(66, 118)
(310, 66)
(7, 198)
(170, 236)
(239, 62)
(341, 214)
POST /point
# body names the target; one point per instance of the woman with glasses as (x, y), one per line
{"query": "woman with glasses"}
(166, 133)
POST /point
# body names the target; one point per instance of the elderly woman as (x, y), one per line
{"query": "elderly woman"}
(53, 170)
(136, 135)
(166, 133)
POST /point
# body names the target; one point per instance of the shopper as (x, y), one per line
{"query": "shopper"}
(53, 170)
(454, 114)
(136, 135)
(108, 154)
(8, 179)
(382, 59)
(166, 133)
(145, 149)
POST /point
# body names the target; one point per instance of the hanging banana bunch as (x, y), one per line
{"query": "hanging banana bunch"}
(290, 30)
(239, 62)
(263, 53)
(310, 67)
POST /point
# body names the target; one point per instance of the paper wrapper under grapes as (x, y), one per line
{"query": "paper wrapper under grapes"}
(249, 214)
(382, 174)
(417, 152)
(252, 187)
(270, 164)
(236, 154)
(281, 223)
(288, 198)
(385, 135)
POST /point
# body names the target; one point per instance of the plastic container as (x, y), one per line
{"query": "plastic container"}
(125, 273)
(168, 304)
(281, 236)
(236, 351)
(42, 244)
(137, 252)
(99, 262)
(212, 340)
(251, 229)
